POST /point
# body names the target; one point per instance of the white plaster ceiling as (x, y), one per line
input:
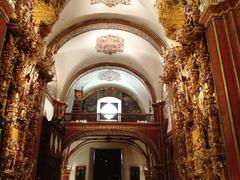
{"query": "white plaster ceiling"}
(142, 12)
(79, 52)
(128, 82)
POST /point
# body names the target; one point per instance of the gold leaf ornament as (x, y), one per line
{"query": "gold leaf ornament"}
(44, 13)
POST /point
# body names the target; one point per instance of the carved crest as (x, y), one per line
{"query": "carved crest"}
(109, 44)
(111, 3)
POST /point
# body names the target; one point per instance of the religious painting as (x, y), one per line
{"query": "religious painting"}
(109, 44)
(129, 105)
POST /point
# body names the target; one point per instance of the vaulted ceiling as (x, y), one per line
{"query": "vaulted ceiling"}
(136, 54)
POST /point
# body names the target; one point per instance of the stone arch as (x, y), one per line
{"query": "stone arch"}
(115, 132)
(117, 24)
(118, 65)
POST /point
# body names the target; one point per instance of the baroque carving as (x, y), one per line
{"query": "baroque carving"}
(25, 70)
(171, 15)
(187, 70)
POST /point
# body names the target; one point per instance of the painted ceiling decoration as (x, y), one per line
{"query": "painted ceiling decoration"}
(109, 75)
(109, 44)
(58, 42)
(111, 3)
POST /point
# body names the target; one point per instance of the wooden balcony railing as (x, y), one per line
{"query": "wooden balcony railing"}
(121, 117)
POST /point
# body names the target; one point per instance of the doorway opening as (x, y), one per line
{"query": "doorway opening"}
(107, 164)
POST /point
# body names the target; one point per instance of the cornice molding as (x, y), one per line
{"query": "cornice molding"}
(217, 10)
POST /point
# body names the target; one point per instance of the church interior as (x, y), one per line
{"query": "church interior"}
(119, 89)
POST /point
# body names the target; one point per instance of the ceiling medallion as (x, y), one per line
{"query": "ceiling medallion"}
(109, 44)
(111, 3)
(109, 75)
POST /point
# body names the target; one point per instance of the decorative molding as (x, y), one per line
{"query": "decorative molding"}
(217, 10)
(109, 44)
(110, 126)
(111, 3)
(116, 24)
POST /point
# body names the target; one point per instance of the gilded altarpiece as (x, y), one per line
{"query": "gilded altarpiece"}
(199, 149)
(25, 68)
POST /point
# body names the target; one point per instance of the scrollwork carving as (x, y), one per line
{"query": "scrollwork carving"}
(25, 70)
(200, 148)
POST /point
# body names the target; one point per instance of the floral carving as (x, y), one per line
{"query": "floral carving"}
(109, 44)
(111, 3)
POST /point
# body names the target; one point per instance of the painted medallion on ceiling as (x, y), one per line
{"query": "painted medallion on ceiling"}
(109, 75)
(111, 3)
(109, 44)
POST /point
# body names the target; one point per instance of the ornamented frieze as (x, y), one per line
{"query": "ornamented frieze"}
(109, 75)
(109, 44)
(111, 3)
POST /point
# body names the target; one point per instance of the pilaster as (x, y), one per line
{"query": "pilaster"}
(222, 28)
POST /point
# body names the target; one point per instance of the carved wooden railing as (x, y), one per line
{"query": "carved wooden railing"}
(100, 117)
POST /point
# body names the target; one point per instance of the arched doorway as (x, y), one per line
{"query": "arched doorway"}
(136, 152)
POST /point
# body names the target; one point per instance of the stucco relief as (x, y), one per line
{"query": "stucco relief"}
(109, 75)
(111, 3)
(109, 44)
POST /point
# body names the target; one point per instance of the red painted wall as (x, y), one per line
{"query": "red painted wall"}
(5, 13)
(3, 27)
(221, 50)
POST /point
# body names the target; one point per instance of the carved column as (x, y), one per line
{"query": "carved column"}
(158, 111)
(200, 155)
(25, 70)
(65, 174)
(223, 29)
(159, 118)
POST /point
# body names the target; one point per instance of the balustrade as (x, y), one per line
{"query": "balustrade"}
(120, 117)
